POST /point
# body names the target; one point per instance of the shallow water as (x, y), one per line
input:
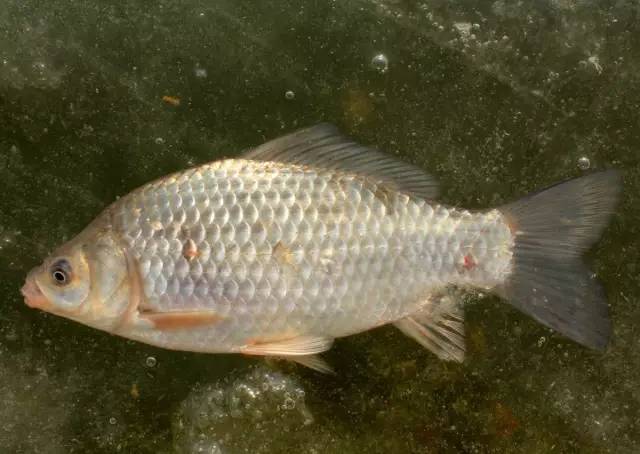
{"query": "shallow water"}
(495, 98)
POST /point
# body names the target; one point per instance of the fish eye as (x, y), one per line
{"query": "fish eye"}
(61, 272)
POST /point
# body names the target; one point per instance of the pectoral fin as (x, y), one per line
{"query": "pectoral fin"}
(179, 320)
(439, 327)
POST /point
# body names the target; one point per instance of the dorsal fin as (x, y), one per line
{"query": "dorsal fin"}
(323, 146)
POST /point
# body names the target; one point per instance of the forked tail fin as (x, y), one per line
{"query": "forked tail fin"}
(548, 281)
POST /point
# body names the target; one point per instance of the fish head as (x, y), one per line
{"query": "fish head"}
(85, 280)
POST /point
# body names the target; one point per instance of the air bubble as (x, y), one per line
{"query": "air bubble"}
(270, 402)
(584, 163)
(151, 361)
(159, 140)
(289, 95)
(113, 421)
(5, 240)
(200, 72)
(289, 403)
(380, 63)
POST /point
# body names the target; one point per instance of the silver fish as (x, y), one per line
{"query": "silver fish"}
(312, 237)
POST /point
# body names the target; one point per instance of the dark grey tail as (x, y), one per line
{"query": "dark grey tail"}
(549, 282)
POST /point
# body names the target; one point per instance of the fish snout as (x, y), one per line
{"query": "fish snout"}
(33, 296)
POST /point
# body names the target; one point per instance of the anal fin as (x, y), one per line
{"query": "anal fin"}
(438, 326)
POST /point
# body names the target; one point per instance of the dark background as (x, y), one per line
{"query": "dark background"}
(495, 98)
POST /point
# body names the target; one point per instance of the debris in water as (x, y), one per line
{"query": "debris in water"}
(505, 423)
(171, 100)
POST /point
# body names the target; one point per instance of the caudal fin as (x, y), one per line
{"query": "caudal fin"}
(549, 282)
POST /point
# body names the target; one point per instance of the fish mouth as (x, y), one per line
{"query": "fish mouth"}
(33, 296)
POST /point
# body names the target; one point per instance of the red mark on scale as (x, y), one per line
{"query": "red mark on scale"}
(469, 263)
(190, 250)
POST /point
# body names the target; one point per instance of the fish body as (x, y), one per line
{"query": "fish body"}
(309, 238)
(287, 249)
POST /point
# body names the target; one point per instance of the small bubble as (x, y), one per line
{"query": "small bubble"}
(159, 141)
(584, 163)
(113, 421)
(541, 341)
(380, 63)
(151, 361)
(200, 72)
(289, 95)
(289, 403)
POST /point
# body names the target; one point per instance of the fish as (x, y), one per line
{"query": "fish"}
(312, 237)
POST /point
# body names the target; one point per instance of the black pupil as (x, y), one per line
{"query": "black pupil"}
(61, 271)
(60, 276)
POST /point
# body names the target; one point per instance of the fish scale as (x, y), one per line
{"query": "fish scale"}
(316, 250)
